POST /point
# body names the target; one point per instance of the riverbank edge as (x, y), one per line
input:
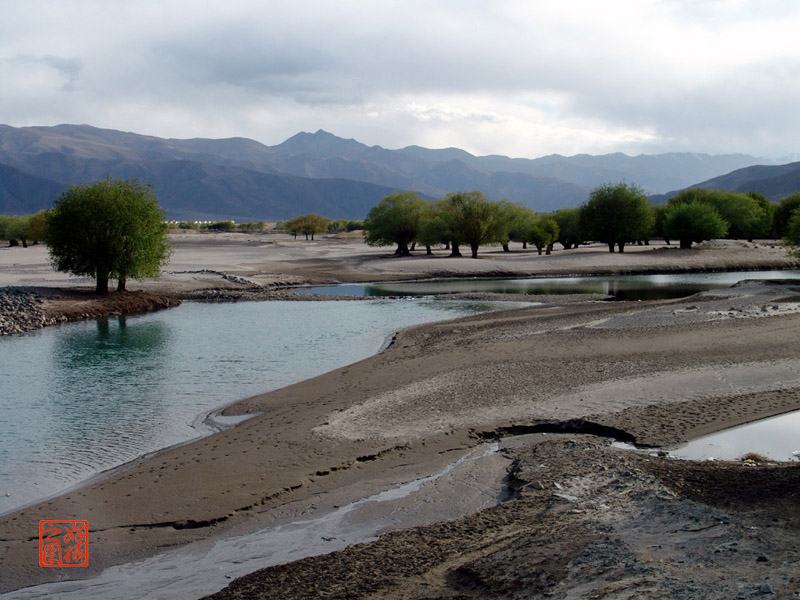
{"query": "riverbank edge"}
(27, 308)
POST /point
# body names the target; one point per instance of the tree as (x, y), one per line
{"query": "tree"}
(312, 224)
(470, 219)
(308, 225)
(113, 228)
(660, 213)
(616, 214)
(432, 229)
(543, 234)
(783, 213)
(395, 220)
(792, 237)
(693, 222)
(17, 230)
(512, 222)
(744, 214)
(569, 231)
(37, 226)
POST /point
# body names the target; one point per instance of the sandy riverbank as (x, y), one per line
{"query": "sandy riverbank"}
(589, 519)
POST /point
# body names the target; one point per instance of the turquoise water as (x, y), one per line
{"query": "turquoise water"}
(82, 398)
(622, 287)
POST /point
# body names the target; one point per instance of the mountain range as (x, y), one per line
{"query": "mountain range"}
(243, 180)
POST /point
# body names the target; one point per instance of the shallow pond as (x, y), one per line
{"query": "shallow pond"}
(622, 287)
(777, 438)
(82, 398)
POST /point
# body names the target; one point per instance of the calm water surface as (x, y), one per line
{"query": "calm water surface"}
(622, 287)
(85, 397)
(777, 438)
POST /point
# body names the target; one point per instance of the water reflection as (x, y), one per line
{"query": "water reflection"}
(777, 438)
(622, 287)
(108, 374)
(88, 396)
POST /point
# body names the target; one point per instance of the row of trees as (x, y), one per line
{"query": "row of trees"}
(23, 229)
(614, 214)
(312, 224)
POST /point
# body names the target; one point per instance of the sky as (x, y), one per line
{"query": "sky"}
(522, 78)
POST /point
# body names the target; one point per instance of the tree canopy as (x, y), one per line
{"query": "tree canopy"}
(543, 233)
(113, 228)
(395, 220)
(792, 234)
(616, 214)
(470, 219)
(783, 213)
(693, 222)
(307, 225)
(745, 214)
(569, 231)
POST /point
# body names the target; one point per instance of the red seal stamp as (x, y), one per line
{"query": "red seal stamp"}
(63, 543)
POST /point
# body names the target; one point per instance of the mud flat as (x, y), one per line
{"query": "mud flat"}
(440, 389)
(585, 519)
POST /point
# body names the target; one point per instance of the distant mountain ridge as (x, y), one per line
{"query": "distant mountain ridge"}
(773, 181)
(242, 179)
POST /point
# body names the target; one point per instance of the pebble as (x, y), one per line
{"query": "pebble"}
(21, 311)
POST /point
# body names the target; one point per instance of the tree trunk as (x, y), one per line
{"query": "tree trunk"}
(121, 284)
(539, 248)
(455, 251)
(474, 248)
(402, 249)
(686, 244)
(428, 250)
(505, 248)
(101, 288)
(621, 247)
(524, 245)
(549, 250)
(413, 246)
(611, 247)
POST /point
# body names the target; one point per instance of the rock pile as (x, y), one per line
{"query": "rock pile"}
(21, 310)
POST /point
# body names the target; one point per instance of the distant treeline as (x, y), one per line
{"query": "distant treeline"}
(614, 214)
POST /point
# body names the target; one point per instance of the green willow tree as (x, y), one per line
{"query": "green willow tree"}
(307, 225)
(783, 213)
(113, 228)
(693, 222)
(395, 220)
(616, 215)
(792, 234)
(471, 220)
(543, 234)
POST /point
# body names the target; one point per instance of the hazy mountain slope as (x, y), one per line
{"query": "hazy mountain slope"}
(434, 172)
(319, 172)
(21, 193)
(194, 179)
(773, 181)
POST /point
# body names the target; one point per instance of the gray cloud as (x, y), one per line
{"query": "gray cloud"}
(516, 77)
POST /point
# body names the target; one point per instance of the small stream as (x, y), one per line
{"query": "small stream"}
(471, 483)
(621, 287)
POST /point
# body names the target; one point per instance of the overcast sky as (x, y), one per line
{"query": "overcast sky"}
(520, 78)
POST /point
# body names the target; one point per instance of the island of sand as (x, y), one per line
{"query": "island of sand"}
(554, 385)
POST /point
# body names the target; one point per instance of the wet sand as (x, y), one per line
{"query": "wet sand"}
(699, 365)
